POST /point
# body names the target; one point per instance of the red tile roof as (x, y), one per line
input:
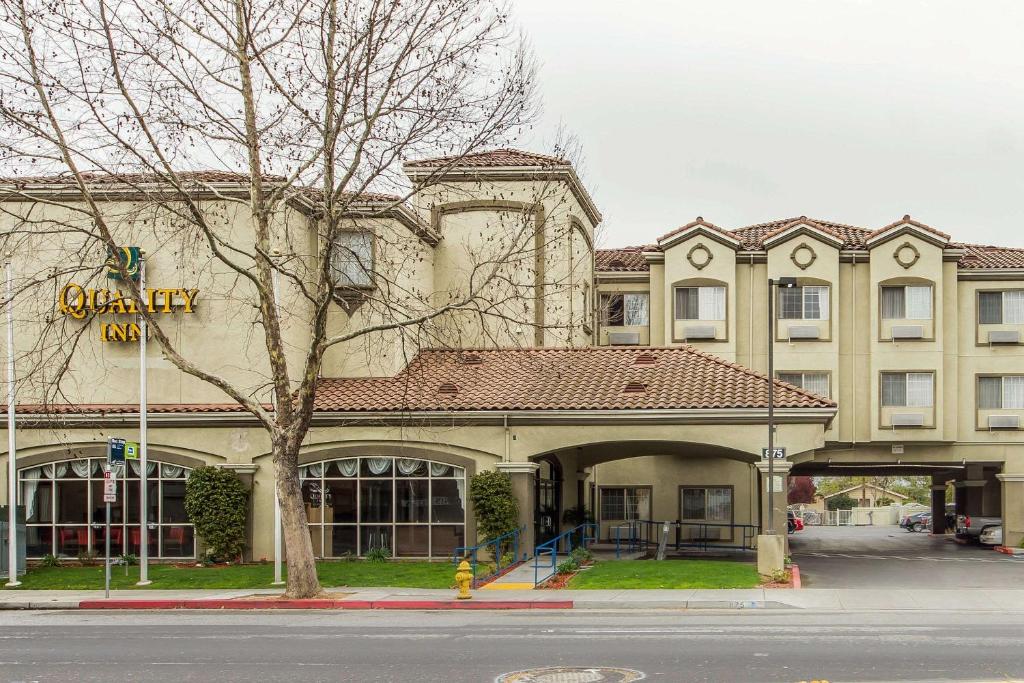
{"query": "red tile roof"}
(132, 178)
(907, 220)
(753, 236)
(494, 157)
(980, 256)
(694, 223)
(623, 259)
(597, 378)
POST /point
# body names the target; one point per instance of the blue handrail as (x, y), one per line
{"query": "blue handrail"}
(551, 547)
(495, 544)
(644, 532)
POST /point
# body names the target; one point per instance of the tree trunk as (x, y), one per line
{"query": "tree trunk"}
(302, 579)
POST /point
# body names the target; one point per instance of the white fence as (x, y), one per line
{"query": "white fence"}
(862, 516)
(826, 517)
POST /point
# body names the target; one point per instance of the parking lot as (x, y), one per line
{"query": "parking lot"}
(889, 557)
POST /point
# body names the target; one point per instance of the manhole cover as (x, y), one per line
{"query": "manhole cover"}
(572, 674)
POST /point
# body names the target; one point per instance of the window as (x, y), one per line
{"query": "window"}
(352, 259)
(700, 303)
(1001, 308)
(803, 303)
(815, 382)
(911, 302)
(65, 514)
(1001, 393)
(625, 309)
(908, 389)
(411, 507)
(625, 502)
(706, 504)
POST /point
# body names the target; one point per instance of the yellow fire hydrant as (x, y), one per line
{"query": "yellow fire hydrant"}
(463, 579)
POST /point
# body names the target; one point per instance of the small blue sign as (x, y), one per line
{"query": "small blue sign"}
(115, 451)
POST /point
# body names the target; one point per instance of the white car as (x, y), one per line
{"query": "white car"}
(992, 535)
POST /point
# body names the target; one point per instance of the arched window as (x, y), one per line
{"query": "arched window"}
(65, 514)
(411, 507)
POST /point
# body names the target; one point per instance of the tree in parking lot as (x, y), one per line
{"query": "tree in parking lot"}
(801, 490)
(841, 502)
(314, 103)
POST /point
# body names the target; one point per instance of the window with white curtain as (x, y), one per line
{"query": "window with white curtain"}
(1001, 393)
(907, 302)
(815, 382)
(706, 504)
(700, 303)
(352, 259)
(625, 503)
(908, 389)
(1001, 308)
(632, 308)
(803, 303)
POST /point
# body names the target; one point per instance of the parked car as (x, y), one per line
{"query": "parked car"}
(992, 535)
(970, 528)
(921, 521)
(793, 523)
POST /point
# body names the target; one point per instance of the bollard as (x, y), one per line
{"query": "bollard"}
(463, 578)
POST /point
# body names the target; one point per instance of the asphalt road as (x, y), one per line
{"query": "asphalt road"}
(427, 647)
(889, 557)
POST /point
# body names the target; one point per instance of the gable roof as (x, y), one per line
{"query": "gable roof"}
(593, 378)
(98, 178)
(868, 485)
(623, 259)
(698, 225)
(903, 225)
(495, 157)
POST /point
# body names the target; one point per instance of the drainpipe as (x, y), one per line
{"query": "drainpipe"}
(750, 317)
(508, 439)
(853, 440)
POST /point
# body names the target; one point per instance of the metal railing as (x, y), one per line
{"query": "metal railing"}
(494, 547)
(644, 533)
(582, 535)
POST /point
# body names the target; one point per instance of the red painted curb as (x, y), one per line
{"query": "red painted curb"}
(794, 574)
(236, 604)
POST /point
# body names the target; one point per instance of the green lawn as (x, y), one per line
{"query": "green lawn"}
(667, 574)
(332, 574)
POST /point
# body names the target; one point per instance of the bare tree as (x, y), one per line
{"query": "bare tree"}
(305, 108)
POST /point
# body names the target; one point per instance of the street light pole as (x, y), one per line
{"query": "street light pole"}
(772, 284)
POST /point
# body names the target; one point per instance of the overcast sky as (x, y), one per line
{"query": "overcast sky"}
(743, 111)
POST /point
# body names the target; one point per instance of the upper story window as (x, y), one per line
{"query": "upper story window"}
(700, 303)
(907, 302)
(352, 259)
(1001, 308)
(803, 303)
(908, 389)
(625, 309)
(1001, 393)
(815, 382)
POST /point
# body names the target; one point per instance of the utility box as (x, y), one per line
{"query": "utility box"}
(4, 537)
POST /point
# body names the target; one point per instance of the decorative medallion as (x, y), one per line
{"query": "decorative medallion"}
(699, 256)
(803, 256)
(906, 255)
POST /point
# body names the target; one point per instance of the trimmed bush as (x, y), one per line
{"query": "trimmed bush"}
(494, 505)
(217, 503)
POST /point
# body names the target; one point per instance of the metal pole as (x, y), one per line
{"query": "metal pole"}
(12, 471)
(771, 409)
(278, 551)
(143, 446)
(106, 585)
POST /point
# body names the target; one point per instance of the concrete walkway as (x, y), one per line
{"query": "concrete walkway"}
(828, 600)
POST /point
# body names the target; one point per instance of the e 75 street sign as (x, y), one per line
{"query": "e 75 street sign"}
(777, 453)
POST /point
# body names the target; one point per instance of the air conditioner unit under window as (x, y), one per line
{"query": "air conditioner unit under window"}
(1003, 422)
(1003, 337)
(624, 338)
(804, 332)
(699, 332)
(907, 419)
(907, 331)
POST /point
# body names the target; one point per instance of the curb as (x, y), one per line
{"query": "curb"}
(236, 604)
(794, 573)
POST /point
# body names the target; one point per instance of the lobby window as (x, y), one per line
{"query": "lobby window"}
(625, 309)
(700, 303)
(910, 302)
(65, 514)
(352, 259)
(1001, 393)
(706, 504)
(908, 389)
(815, 382)
(625, 502)
(1001, 308)
(803, 303)
(411, 507)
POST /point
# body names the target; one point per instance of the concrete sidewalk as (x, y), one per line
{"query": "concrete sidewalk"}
(827, 600)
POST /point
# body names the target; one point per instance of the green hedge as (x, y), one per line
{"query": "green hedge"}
(217, 503)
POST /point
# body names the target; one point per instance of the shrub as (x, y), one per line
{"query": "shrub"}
(216, 503)
(49, 560)
(494, 504)
(86, 558)
(129, 559)
(568, 567)
(507, 559)
(378, 555)
(581, 555)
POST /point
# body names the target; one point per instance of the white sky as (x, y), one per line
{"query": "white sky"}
(743, 111)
